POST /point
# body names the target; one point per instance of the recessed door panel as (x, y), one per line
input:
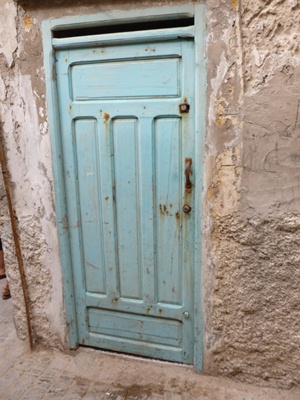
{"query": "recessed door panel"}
(124, 133)
(111, 80)
(167, 138)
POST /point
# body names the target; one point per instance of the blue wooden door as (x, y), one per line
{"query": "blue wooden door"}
(127, 131)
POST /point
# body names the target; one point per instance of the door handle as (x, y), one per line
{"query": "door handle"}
(188, 172)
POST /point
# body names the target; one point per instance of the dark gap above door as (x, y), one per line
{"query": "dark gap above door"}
(131, 27)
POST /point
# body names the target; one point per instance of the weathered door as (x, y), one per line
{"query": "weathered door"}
(127, 130)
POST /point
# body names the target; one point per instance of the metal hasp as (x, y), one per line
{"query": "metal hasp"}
(188, 184)
(188, 172)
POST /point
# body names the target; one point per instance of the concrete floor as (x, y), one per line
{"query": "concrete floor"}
(94, 375)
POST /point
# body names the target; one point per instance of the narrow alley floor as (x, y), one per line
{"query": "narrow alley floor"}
(95, 375)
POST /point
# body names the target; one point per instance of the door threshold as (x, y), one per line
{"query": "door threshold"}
(133, 357)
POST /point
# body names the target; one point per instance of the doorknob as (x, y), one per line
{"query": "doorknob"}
(188, 172)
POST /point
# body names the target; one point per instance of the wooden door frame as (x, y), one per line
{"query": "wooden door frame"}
(114, 17)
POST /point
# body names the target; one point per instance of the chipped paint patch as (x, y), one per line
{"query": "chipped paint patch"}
(106, 118)
(216, 84)
(234, 4)
(28, 22)
(220, 117)
(41, 112)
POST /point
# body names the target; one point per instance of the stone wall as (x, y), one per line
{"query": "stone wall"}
(251, 202)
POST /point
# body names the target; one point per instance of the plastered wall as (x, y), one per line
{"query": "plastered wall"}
(252, 197)
(251, 203)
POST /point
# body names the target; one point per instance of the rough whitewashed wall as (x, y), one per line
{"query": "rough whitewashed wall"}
(24, 127)
(251, 234)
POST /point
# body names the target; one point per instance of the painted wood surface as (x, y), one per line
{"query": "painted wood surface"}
(124, 145)
(121, 37)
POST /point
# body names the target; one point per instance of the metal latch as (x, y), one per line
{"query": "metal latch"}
(184, 108)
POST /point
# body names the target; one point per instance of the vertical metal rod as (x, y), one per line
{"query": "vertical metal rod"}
(16, 238)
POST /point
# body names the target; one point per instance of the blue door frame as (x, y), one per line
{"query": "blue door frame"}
(163, 13)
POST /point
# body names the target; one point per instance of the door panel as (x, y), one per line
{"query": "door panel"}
(167, 136)
(88, 188)
(124, 146)
(111, 80)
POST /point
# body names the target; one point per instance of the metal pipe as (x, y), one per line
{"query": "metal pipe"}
(16, 237)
